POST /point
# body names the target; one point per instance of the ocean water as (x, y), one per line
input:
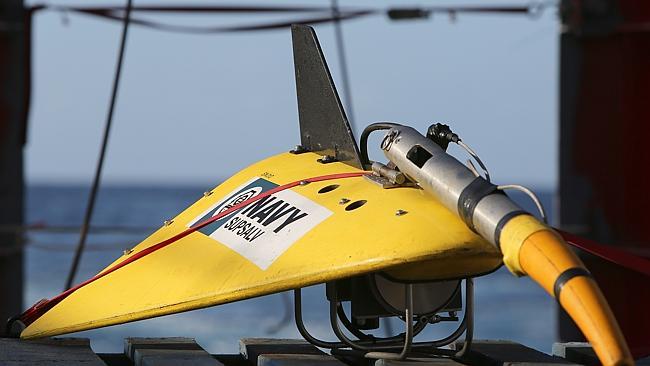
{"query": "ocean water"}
(505, 307)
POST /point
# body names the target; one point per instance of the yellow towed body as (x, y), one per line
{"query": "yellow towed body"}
(440, 221)
(199, 271)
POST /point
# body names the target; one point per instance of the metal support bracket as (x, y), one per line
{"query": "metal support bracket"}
(397, 347)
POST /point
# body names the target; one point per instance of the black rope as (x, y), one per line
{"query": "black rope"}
(319, 14)
(100, 161)
(340, 46)
(201, 9)
(229, 29)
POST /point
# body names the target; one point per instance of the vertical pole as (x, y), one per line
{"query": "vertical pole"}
(343, 64)
(13, 104)
(604, 154)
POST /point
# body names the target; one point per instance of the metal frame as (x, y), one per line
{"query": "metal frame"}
(397, 347)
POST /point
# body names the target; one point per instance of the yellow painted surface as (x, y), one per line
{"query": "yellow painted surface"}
(531, 248)
(514, 233)
(198, 271)
(544, 256)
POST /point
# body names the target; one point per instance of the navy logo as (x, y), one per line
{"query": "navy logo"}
(262, 230)
(249, 191)
(239, 198)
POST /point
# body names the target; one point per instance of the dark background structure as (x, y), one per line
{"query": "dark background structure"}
(13, 110)
(604, 155)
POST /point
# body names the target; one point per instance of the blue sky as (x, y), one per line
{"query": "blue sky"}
(194, 109)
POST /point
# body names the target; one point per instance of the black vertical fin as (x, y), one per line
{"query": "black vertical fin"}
(324, 128)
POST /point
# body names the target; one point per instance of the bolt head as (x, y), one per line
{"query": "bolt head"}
(327, 159)
(299, 149)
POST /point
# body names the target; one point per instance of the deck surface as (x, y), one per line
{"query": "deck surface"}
(179, 351)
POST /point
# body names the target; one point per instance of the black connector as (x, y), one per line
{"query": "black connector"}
(442, 135)
(408, 13)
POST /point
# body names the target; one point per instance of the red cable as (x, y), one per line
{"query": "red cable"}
(38, 309)
(609, 253)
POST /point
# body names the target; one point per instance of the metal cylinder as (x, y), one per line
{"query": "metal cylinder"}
(395, 176)
(529, 247)
(445, 178)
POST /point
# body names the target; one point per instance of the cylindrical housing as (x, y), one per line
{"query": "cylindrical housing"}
(444, 177)
(528, 246)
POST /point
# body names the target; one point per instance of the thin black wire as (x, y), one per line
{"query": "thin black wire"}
(340, 45)
(264, 26)
(100, 161)
(533, 10)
